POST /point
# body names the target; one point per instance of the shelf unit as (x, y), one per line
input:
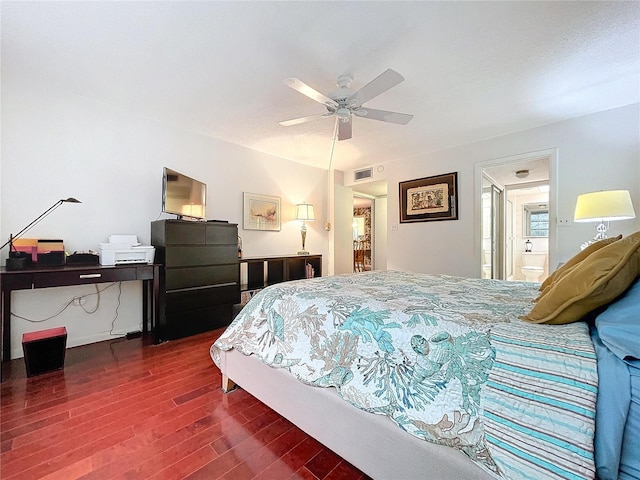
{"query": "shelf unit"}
(264, 271)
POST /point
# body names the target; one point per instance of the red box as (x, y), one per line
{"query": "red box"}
(44, 350)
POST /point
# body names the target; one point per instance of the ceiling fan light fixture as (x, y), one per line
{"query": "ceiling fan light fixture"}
(343, 114)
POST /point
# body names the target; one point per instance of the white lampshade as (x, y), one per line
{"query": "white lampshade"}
(304, 212)
(604, 206)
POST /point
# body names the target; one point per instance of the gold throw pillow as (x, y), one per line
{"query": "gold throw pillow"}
(595, 281)
(577, 258)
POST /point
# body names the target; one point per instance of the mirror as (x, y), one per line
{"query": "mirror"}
(358, 228)
(536, 220)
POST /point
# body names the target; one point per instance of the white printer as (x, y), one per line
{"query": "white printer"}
(124, 250)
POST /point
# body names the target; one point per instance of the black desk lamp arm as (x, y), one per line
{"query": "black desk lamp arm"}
(40, 217)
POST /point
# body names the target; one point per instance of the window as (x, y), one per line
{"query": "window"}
(536, 220)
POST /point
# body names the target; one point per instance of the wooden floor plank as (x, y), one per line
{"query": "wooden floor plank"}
(128, 409)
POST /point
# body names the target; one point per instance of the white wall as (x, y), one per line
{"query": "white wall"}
(380, 235)
(343, 230)
(56, 145)
(595, 152)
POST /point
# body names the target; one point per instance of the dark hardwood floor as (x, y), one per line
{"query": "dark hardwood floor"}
(126, 409)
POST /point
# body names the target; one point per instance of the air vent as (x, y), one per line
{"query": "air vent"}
(362, 174)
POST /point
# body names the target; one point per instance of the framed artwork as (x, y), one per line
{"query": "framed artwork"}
(261, 212)
(430, 198)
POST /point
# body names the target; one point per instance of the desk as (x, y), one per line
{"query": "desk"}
(45, 277)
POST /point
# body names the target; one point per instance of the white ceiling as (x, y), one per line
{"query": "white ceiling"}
(473, 70)
(537, 171)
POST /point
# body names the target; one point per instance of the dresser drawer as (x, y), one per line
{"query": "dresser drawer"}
(185, 233)
(191, 322)
(222, 235)
(184, 278)
(176, 302)
(193, 256)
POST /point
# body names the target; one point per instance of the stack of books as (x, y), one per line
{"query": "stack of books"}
(310, 272)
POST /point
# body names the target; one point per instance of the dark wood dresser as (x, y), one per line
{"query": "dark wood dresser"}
(199, 276)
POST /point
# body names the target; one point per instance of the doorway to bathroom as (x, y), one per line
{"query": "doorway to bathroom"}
(529, 226)
(515, 212)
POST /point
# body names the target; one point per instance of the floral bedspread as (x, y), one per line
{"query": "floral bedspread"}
(413, 347)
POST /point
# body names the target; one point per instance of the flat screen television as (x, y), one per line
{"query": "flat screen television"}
(183, 196)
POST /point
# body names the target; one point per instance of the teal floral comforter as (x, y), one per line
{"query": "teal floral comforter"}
(413, 347)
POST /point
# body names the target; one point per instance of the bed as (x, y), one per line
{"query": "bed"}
(410, 375)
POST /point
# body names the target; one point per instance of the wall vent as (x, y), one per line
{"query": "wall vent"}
(362, 174)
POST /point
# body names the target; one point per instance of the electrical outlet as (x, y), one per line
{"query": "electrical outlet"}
(394, 227)
(78, 301)
(564, 222)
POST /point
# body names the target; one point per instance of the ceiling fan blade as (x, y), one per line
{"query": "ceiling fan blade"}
(309, 118)
(306, 90)
(344, 128)
(380, 84)
(383, 115)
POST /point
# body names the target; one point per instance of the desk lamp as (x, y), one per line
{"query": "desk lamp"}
(602, 208)
(18, 260)
(304, 213)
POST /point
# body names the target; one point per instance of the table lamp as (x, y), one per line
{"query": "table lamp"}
(19, 260)
(304, 213)
(603, 207)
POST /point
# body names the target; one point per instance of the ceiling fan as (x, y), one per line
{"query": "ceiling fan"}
(344, 103)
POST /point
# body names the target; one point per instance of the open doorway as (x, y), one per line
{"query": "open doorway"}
(517, 235)
(370, 226)
(363, 233)
(343, 231)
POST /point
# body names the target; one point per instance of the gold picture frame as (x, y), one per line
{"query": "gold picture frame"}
(429, 198)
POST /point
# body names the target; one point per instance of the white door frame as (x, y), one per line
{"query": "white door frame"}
(498, 224)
